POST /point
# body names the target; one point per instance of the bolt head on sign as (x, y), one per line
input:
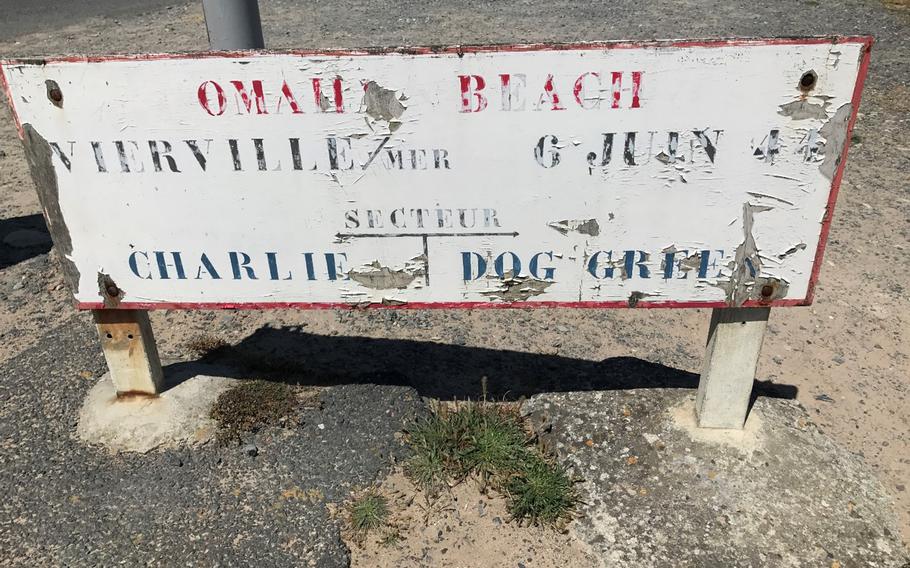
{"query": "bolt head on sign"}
(674, 174)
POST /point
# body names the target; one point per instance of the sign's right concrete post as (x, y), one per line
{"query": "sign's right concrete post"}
(731, 358)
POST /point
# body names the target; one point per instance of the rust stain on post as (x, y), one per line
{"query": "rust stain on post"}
(109, 291)
(130, 351)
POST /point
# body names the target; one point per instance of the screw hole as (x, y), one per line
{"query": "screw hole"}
(129, 336)
(54, 94)
(808, 80)
(109, 336)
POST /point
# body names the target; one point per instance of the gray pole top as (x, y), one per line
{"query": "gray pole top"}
(233, 24)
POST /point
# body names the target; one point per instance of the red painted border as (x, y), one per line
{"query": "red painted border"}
(450, 49)
(4, 86)
(839, 174)
(425, 305)
(865, 41)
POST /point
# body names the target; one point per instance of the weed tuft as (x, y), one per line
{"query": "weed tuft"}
(542, 494)
(252, 405)
(392, 537)
(368, 513)
(497, 444)
(490, 443)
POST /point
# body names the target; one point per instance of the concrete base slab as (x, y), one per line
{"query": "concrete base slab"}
(660, 492)
(179, 416)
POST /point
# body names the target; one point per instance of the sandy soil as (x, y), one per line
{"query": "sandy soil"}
(846, 358)
(458, 529)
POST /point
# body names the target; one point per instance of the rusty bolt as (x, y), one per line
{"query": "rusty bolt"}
(112, 290)
(767, 290)
(55, 95)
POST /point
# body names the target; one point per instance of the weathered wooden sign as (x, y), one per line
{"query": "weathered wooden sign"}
(657, 174)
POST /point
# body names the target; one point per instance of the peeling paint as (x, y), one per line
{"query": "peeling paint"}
(792, 250)
(518, 288)
(636, 297)
(38, 156)
(835, 133)
(583, 226)
(691, 262)
(324, 103)
(746, 265)
(767, 196)
(382, 103)
(380, 277)
(804, 110)
(620, 263)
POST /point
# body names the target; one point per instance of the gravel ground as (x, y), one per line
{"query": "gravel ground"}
(68, 505)
(658, 496)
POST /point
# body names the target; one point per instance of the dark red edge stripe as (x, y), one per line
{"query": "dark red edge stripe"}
(866, 42)
(839, 174)
(450, 49)
(425, 305)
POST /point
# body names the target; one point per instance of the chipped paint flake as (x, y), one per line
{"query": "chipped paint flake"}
(380, 277)
(803, 110)
(588, 227)
(518, 289)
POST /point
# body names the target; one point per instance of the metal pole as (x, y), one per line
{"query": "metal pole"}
(233, 24)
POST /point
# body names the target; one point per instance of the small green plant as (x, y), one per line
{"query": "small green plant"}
(368, 513)
(496, 443)
(435, 441)
(489, 442)
(542, 494)
(391, 537)
(252, 405)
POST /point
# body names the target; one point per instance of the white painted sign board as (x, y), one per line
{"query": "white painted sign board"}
(655, 174)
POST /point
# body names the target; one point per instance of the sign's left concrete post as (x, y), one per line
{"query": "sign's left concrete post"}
(130, 351)
(126, 335)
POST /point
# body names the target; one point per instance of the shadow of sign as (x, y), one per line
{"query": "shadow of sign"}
(22, 238)
(435, 370)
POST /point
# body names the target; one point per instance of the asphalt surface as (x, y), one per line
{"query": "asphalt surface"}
(27, 16)
(66, 504)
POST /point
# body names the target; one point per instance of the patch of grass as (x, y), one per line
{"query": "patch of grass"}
(471, 439)
(497, 443)
(542, 494)
(252, 405)
(368, 513)
(491, 443)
